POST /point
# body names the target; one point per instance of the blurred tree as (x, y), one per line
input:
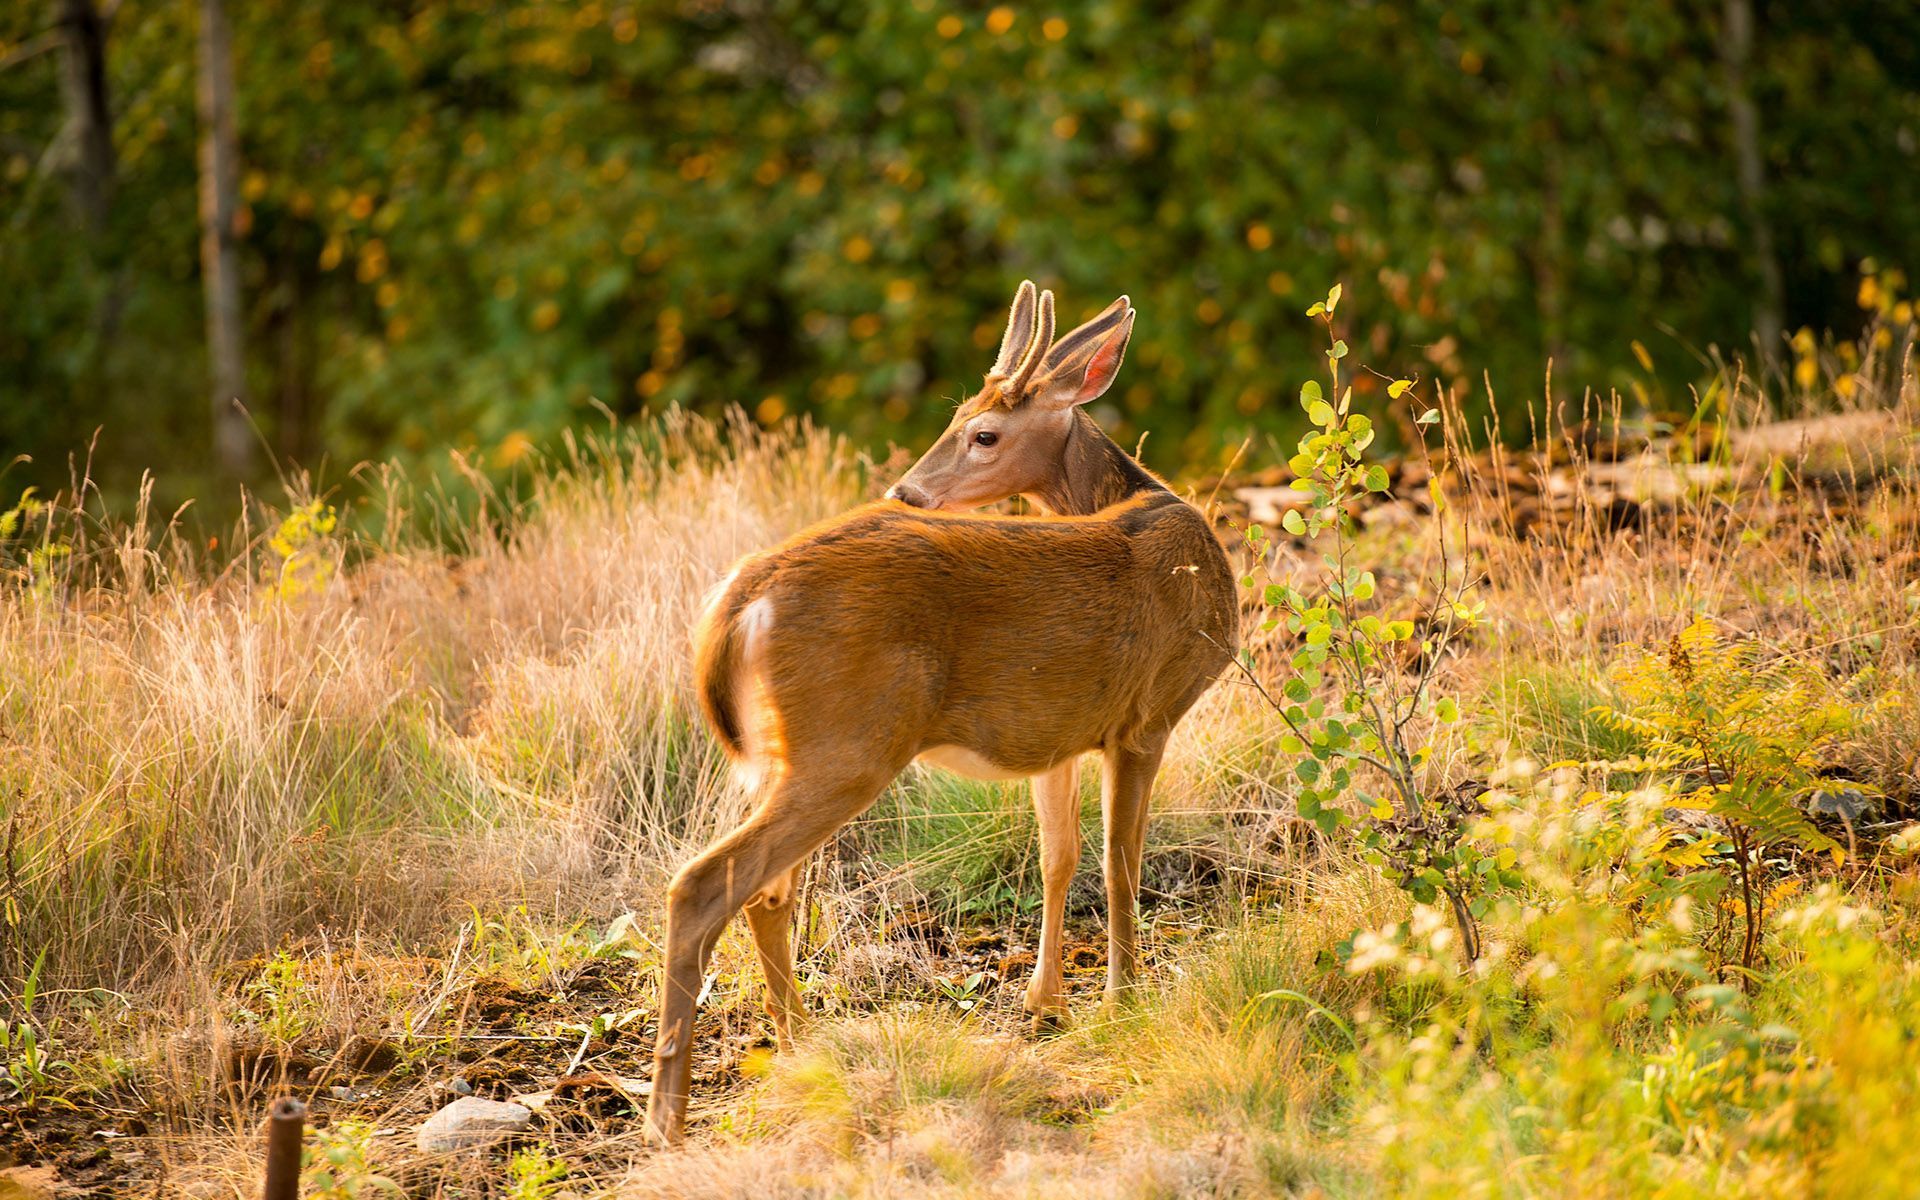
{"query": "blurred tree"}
(470, 224)
(219, 238)
(83, 89)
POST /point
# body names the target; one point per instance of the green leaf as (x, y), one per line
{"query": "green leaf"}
(1398, 388)
(1319, 307)
(1377, 479)
(1428, 417)
(1321, 413)
(1309, 392)
(1446, 711)
(1338, 349)
(1333, 297)
(1293, 523)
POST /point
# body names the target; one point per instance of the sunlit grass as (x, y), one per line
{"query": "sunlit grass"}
(234, 815)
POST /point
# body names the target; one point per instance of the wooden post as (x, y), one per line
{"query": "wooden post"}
(286, 1128)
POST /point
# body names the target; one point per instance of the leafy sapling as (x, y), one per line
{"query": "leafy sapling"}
(1379, 669)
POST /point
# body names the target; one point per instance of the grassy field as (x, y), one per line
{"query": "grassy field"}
(377, 817)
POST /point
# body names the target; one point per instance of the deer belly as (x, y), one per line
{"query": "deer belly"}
(962, 761)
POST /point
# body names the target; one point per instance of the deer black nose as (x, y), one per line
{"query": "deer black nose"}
(909, 495)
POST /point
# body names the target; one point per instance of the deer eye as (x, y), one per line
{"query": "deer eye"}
(986, 437)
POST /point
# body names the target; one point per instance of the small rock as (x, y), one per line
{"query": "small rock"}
(471, 1122)
(459, 1086)
(1849, 804)
(347, 1094)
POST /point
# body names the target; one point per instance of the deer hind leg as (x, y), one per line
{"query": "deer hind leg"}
(1056, 800)
(770, 917)
(801, 811)
(1126, 783)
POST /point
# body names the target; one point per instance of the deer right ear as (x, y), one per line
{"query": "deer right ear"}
(1019, 336)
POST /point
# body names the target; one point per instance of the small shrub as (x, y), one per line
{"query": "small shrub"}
(304, 551)
(338, 1165)
(1422, 835)
(281, 1001)
(1748, 735)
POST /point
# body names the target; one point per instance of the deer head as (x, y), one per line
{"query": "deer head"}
(1010, 438)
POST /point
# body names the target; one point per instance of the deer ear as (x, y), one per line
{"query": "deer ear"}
(1088, 368)
(1019, 335)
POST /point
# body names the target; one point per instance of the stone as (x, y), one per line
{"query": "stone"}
(1849, 804)
(470, 1123)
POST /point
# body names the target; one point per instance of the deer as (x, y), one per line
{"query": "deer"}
(997, 646)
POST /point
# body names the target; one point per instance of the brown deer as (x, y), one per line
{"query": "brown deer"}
(994, 646)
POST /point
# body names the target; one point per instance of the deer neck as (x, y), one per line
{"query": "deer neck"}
(1094, 473)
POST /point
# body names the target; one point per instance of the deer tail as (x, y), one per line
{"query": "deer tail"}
(716, 669)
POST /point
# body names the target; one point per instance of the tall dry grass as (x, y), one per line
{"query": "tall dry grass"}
(195, 765)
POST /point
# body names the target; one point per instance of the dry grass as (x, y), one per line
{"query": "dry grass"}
(433, 778)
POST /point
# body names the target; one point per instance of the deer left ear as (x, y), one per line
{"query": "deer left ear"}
(1087, 369)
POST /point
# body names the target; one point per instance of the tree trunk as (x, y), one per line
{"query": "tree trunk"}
(83, 88)
(219, 236)
(1736, 51)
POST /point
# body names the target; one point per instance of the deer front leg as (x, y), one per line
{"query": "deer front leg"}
(1056, 801)
(770, 916)
(1126, 783)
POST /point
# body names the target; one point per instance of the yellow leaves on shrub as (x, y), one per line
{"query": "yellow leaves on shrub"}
(302, 543)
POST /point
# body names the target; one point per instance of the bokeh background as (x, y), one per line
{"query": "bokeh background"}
(467, 226)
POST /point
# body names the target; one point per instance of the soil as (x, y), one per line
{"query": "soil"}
(498, 1039)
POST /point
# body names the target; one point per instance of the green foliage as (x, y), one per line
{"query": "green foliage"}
(464, 225)
(962, 991)
(281, 1002)
(28, 1062)
(27, 1065)
(27, 556)
(1747, 735)
(969, 847)
(338, 1164)
(1381, 701)
(535, 1174)
(531, 953)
